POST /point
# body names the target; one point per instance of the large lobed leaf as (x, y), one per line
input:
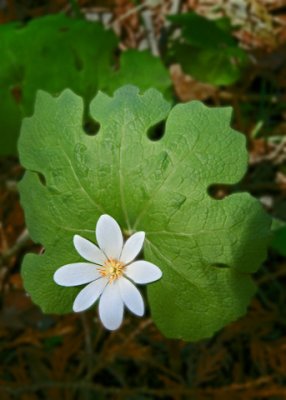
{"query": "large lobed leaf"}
(206, 248)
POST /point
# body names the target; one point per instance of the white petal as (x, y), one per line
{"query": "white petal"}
(88, 295)
(76, 274)
(132, 247)
(88, 250)
(111, 307)
(109, 236)
(143, 272)
(131, 296)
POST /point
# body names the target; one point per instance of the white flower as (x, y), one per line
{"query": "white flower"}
(109, 273)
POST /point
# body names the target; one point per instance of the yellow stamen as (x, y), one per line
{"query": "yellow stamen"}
(112, 269)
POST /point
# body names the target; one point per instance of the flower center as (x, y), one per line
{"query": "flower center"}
(112, 269)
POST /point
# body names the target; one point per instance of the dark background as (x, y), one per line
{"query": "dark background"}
(73, 357)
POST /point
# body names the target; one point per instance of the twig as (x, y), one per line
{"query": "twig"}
(130, 12)
(21, 242)
(147, 20)
(273, 276)
(88, 342)
(175, 7)
(143, 325)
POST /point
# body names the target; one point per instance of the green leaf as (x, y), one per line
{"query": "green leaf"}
(206, 248)
(140, 69)
(55, 52)
(278, 242)
(218, 67)
(202, 32)
(208, 50)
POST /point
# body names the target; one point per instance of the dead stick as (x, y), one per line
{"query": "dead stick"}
(21, 242)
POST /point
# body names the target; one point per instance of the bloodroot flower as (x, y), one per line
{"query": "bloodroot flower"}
(110, 273)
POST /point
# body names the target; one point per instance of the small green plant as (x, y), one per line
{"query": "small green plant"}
(55, 52)
(206, 248)
(207, 49)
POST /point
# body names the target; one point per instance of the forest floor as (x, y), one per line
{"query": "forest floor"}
(72, 357)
